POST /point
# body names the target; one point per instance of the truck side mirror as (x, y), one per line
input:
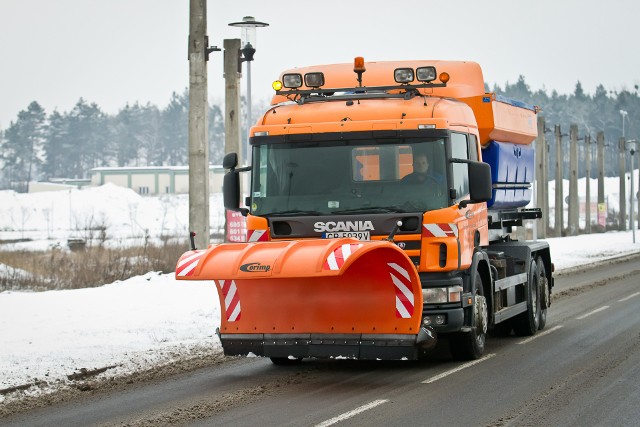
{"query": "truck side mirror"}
(231, 184)
(480, 189)
(231, 192)
(230, 161)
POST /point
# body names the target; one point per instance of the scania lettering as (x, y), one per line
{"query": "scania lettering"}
(343, 226)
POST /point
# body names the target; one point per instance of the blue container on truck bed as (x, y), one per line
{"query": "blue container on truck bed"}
(512, 172)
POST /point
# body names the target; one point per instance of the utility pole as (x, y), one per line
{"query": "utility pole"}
(232, 120)
(559, 220)
(198, 123)
(541, 179)
(622, 226)
(587, 161)
(602, 209)
(232, 114)
(573, 181)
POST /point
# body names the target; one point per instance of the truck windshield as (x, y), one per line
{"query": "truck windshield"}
(338, 177)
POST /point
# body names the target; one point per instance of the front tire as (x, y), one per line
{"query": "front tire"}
(470, 345)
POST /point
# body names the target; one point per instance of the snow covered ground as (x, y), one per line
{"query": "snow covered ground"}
(136, 323)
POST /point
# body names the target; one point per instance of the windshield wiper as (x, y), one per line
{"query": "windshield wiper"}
(294, 212)
(372, 210)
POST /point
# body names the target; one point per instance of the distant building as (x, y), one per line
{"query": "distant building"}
(154, 179)
(58, 184)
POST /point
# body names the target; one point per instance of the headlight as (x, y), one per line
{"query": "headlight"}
(426, 74)
(434, 295)
(314, 79)
(403, 75)
(292, 81)
(442, 295)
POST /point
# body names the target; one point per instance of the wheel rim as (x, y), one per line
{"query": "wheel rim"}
(481, 319)
(534, 296)
(544, 289)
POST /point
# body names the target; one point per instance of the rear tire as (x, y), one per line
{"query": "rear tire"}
(545, 293)
(470, 345)
(286, 361)
(527, 323)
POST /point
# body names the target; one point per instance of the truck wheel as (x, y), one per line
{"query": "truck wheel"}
(528, 322)
(470, 345)
(545, 294)
(286, 361)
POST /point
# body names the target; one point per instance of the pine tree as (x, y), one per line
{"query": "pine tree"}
(23, 147)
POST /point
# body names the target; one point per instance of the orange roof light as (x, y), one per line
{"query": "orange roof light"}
(358, 64)
(444, 77)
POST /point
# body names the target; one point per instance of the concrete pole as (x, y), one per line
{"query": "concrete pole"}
(602, 209)
(198, 124)
(623, 194)
(573, 181)
(601, 180)
(541, 179)
(545, 179)
(587, 161)
(559, 220)
(632, 197)
(232, 116)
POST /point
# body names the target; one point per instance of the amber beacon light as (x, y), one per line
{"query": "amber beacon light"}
(358, 68)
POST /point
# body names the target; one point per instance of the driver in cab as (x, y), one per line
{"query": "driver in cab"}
(421, 172)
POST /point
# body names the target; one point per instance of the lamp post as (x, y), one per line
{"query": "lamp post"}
(632, 145)
(248, 25)
(623, 115)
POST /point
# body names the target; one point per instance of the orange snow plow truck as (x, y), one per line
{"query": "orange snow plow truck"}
(379, 214)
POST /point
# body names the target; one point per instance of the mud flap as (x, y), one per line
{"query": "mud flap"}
(313, 298)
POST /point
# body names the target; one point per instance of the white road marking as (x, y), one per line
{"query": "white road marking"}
(353, 413)
(548, 331)
(459, 368)
(592, 312)
(629, 297)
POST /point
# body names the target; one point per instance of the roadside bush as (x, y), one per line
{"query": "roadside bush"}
(94, 266)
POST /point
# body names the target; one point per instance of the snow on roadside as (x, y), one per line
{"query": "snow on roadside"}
(569, 252)
(49, 335)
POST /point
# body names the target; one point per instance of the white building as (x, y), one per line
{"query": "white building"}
(154, 179)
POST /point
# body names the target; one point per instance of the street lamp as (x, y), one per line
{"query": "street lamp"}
(632, 146)
(248, 25)
(623, 114)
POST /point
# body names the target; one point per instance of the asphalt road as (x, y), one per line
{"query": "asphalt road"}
(582, 369)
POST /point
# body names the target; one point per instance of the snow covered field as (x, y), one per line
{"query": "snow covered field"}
(150, 319)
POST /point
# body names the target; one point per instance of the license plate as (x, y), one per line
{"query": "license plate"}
(360, 235)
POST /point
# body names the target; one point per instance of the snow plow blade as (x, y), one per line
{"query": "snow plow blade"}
(314, 298)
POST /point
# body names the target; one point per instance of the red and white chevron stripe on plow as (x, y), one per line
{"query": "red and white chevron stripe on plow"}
(231, 299)
(405, 302)
(440, 230)
(257, 236)
(188, 262)
(339, 256)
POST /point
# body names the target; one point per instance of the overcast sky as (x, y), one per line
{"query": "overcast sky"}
(116, 51)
